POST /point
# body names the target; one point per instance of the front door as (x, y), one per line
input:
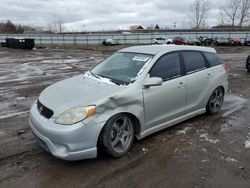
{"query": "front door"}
(166, 102)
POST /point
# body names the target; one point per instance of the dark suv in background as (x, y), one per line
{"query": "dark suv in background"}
(248, 63)
(204, 40)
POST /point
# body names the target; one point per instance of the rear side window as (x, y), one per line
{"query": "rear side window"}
(212, 58)
(167, 67)
(160, 39)
(194, 61)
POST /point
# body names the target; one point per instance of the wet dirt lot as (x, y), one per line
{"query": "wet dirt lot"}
(206, 151)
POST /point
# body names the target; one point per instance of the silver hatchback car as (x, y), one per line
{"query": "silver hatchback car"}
(135, 92)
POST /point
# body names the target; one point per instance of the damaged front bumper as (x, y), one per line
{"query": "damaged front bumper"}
(74, 142)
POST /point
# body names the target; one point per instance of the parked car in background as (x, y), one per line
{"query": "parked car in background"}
(234, 42)
(193, 41)
(159, 40)
(110, 42)
(248, 63)
(221, 41)
(180, 41)
(204, 40)
(169, 41)
(134, 93)
(247, 41)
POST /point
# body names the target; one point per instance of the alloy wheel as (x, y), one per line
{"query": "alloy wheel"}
(121, 134)
(216, 100)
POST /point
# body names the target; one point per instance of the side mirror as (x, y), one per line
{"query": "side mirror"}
(153, 81)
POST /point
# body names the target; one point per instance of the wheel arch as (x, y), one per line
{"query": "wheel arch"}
(135, 119)
(220, 86)
(137, 128)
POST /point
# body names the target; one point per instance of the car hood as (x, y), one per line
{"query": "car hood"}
(76, 91)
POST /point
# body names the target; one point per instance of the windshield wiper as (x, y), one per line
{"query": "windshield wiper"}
(116, 81)
(94, 75)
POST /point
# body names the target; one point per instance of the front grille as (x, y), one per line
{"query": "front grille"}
(44, 111)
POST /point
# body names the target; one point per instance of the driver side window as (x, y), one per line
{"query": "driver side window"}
(167, 67)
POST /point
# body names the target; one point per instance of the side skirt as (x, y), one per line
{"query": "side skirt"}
(170, 123)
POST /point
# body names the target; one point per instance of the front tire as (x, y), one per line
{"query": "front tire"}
(118, 135)
(215, 101)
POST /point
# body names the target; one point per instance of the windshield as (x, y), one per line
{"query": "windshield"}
(122, 67)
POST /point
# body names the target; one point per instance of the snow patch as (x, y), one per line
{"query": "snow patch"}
(60, 61)
(104, 80)
(247, 144)
(21, 98)
(205, 136)
(13, 115)
(205, 160)
(231, 160)
(184, 131)
(65, 68)
(232, 103)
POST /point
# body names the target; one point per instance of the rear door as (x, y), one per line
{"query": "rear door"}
(198, 77)
(166, 102)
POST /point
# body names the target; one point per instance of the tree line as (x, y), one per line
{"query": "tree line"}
(234, 13)
(9, 27)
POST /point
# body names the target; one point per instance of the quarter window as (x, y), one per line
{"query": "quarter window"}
(212, 58)
(194, 61)
(167, 67)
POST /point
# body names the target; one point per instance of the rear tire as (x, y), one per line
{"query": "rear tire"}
(117, 136)
(215, 101)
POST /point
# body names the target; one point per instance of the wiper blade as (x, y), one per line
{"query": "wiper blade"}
(116, 81)
(94, 75)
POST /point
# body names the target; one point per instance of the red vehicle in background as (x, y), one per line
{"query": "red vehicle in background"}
(235, 42)
(180, 41)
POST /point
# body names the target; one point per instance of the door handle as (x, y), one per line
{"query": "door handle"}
(209, 75)
(181, 85)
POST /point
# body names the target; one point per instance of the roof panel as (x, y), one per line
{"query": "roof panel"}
(155, 49)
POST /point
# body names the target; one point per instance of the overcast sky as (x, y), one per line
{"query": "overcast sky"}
(79, 15)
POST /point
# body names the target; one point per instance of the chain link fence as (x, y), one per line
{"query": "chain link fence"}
(133, 38)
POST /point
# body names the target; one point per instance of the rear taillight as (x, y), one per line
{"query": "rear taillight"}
(225, 66)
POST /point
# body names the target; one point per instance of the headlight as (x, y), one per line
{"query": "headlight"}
(75, 115)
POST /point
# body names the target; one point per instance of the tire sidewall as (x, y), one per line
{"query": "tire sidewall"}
(209, 110)
(106, 139)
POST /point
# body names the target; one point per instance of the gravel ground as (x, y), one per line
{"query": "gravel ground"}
(206, 151)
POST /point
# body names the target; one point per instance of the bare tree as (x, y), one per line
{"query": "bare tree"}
(56, 26)
(232, 10)
(199, 10)
(60, 25)
(150, 27)
(222, 21)
(244, 11)
(49, 27)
